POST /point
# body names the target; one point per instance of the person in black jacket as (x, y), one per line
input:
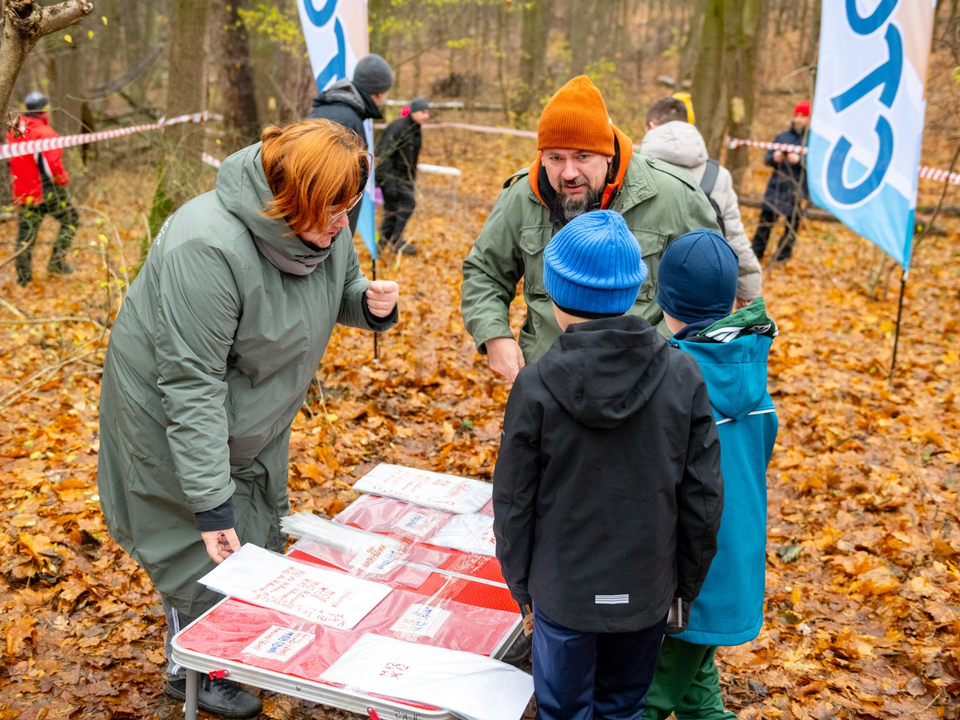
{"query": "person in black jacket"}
(350, 102)
(398, 152)
(786, 189)
(607, 491)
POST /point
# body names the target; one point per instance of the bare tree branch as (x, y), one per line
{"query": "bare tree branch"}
(57, 17)
(24, 23)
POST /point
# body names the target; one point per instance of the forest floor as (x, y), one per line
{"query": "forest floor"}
(862, 615)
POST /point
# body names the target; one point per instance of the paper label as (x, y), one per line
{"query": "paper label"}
(430, 489)
(416, 523)
(315, 594)
(376, 559)
(421, 620)
(279, 643)
(464, 683)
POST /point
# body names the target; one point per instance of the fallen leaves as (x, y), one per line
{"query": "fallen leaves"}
(862, 617)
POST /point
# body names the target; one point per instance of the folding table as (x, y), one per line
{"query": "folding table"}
(211, 643)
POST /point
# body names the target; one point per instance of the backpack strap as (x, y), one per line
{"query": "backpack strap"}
(516, 176)
(709, 178)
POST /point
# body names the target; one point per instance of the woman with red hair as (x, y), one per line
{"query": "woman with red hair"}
(210, 360)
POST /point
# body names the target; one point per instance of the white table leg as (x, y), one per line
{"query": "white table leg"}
(190, 705)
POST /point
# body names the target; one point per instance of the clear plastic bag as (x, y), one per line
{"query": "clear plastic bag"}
(429, 489)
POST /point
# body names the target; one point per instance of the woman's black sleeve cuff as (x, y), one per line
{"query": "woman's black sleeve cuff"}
(220, 518)
(379, 324)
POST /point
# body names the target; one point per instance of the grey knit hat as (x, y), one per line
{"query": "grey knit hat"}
(418, 104)
(373, 74)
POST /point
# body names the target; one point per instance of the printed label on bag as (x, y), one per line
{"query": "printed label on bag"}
(376, 559)
(279, 643)
(417, 524)
(421, 620)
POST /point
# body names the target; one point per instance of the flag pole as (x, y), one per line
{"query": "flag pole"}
(896, 332)
(376, 339)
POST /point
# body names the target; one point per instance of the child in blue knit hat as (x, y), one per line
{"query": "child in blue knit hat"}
(607, 491)
(698, 284)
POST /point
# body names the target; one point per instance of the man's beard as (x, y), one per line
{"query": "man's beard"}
(569, 208)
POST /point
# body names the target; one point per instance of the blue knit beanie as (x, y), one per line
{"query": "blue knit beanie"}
(593, 266)
(697, 277)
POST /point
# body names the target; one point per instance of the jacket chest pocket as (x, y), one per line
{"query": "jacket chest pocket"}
(532, 242)
(652, 245)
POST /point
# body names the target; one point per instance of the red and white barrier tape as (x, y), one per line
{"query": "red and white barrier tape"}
(782, 147)
(928, 173)
(939, 175)
(32, 147)
(211, 160)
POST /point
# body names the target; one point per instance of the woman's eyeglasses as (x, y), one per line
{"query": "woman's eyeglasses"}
(351, 206)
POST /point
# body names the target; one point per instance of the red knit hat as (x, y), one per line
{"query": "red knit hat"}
(576, 119)
(802, 108)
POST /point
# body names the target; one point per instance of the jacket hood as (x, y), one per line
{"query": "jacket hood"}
(732, 355)
(678, 143)
(604, 371)
(344, 92)
(242, 188)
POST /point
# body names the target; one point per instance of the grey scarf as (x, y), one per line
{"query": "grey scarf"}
(302, 265)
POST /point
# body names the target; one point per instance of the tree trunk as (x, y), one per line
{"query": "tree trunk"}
(179, 175)
(236, 79)
(578, 35)
(709, 80)
(68, 89)
(533, 51)
(299, 87)
(688, 50)
(809, 57)
(724, 84)
(378, 11)
(24, 23)
(746, 29)
(802, 25)
(132, 24)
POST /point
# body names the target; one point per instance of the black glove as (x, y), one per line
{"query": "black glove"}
(678, 617)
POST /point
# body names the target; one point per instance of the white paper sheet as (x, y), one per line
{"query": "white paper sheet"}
(279, 643)
(417, 523)
(270, 580)
(421, 619)
(471, 686)
(430, 489)
(471, 533)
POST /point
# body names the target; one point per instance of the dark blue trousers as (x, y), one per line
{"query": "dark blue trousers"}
(592, 676)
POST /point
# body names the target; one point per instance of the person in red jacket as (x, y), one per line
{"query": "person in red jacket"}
(39, 188)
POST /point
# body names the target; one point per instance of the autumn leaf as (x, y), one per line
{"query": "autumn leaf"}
(789, 553)
(20, 634)
(39, 547)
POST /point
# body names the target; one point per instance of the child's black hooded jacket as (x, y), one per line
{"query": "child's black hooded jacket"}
(607, 492)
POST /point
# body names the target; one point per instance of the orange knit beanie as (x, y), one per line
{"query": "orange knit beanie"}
(576, 119)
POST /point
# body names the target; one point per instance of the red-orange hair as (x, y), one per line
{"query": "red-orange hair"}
(315, 169)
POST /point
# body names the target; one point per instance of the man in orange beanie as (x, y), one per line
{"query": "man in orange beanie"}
(583, 163)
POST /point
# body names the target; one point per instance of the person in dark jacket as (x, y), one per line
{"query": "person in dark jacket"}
(698, 285)
(351, 102)
(39, 189)
(787, 188)
(398, 152)
(607, 492)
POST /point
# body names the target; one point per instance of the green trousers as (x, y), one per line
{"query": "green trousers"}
(57, 204)
(686, 683)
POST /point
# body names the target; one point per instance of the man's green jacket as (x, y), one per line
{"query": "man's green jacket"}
(659, 203)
